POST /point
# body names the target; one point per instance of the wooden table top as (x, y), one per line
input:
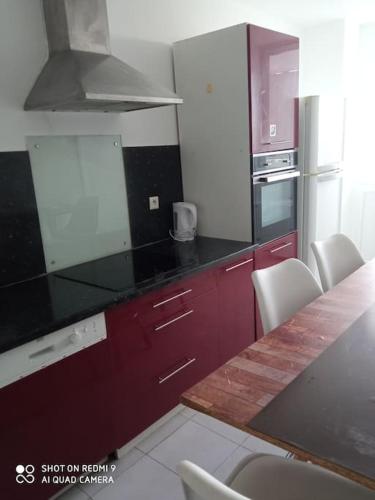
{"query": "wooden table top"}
(237, 391)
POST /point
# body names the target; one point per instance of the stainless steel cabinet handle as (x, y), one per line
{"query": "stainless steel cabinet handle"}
(160, 327)
(277, 177)
(280, 247)
(164, 379)
(238, 265)
(172, 298)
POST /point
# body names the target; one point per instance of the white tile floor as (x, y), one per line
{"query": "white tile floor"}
(148, 470)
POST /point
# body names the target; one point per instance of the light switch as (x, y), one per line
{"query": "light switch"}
(153, 202)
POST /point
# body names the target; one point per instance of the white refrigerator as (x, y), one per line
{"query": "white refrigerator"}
(321, 164)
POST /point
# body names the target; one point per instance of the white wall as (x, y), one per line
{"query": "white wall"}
(359, 192)
(323, 59)
(142, 32)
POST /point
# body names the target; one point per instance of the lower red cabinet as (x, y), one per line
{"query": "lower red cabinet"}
(165, 342)
(268, 255)
(156, 358)
(61, 414)
(83, 407)
(236, 306)
(276, 251)
(80, 409)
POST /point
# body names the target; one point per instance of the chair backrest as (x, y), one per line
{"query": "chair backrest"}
(282, 290)
(269, 477)
(337, 257)
(200, 485)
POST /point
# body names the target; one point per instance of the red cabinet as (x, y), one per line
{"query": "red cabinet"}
(61, 414)
(236, 306)
(80, 409)
(273, 69)
(166, 341)
(276, 251)
(159, 352)
(270, 254)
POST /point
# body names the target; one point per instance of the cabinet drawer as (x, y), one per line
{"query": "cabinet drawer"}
(176, 320)
(160, 304)
(161, 344)
(155, 362)
(276, 251)
(239, 265)
(180, 355)
(199, 361)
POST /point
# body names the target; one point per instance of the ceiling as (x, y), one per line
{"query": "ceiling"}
(310, 12)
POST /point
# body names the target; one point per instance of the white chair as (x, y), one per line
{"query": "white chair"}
(282, 290)
(337, 257)
(269, 477)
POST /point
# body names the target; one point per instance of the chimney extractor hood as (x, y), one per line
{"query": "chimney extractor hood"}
(81, 74)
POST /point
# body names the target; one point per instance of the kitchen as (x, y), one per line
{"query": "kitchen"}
(90, 275)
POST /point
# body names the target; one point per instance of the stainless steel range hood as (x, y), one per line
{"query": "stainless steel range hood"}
(81, 74)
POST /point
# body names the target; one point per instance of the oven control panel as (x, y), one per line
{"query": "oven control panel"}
(274, 162)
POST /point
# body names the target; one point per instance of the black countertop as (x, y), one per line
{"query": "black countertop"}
(34, 308)
(133, 272)
(328, 410)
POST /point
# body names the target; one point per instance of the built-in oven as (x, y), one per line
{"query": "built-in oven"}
(274, 194)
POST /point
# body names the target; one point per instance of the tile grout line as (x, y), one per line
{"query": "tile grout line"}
(221, 435)
(166, 467)
(187, 419)
(166, 437)
(234, 451)
(205, 428)
(115, 476)
(163, 465)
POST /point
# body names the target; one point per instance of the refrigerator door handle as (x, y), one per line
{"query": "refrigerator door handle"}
(335, 171)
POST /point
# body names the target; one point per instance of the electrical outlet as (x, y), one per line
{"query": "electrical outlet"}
(153, 202)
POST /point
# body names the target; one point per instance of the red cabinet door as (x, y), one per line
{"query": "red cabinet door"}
(61, 414)
(274, 69)
(268, 255)
(156, 358)
(236, 306)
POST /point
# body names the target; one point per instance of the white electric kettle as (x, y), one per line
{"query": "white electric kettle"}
(184, 221)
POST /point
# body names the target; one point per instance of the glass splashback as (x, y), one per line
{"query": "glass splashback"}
(81, 196)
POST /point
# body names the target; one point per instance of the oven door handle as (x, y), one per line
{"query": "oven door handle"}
(276, 177)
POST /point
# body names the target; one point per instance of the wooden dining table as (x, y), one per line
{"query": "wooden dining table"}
(262, 389)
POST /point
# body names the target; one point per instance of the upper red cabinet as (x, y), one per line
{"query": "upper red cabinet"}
(273, 69)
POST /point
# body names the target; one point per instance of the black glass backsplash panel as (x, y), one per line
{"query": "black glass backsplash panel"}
(21, 250)
(152, 171)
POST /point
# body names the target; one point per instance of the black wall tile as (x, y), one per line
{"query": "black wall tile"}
(21, 250)
(152, 171)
